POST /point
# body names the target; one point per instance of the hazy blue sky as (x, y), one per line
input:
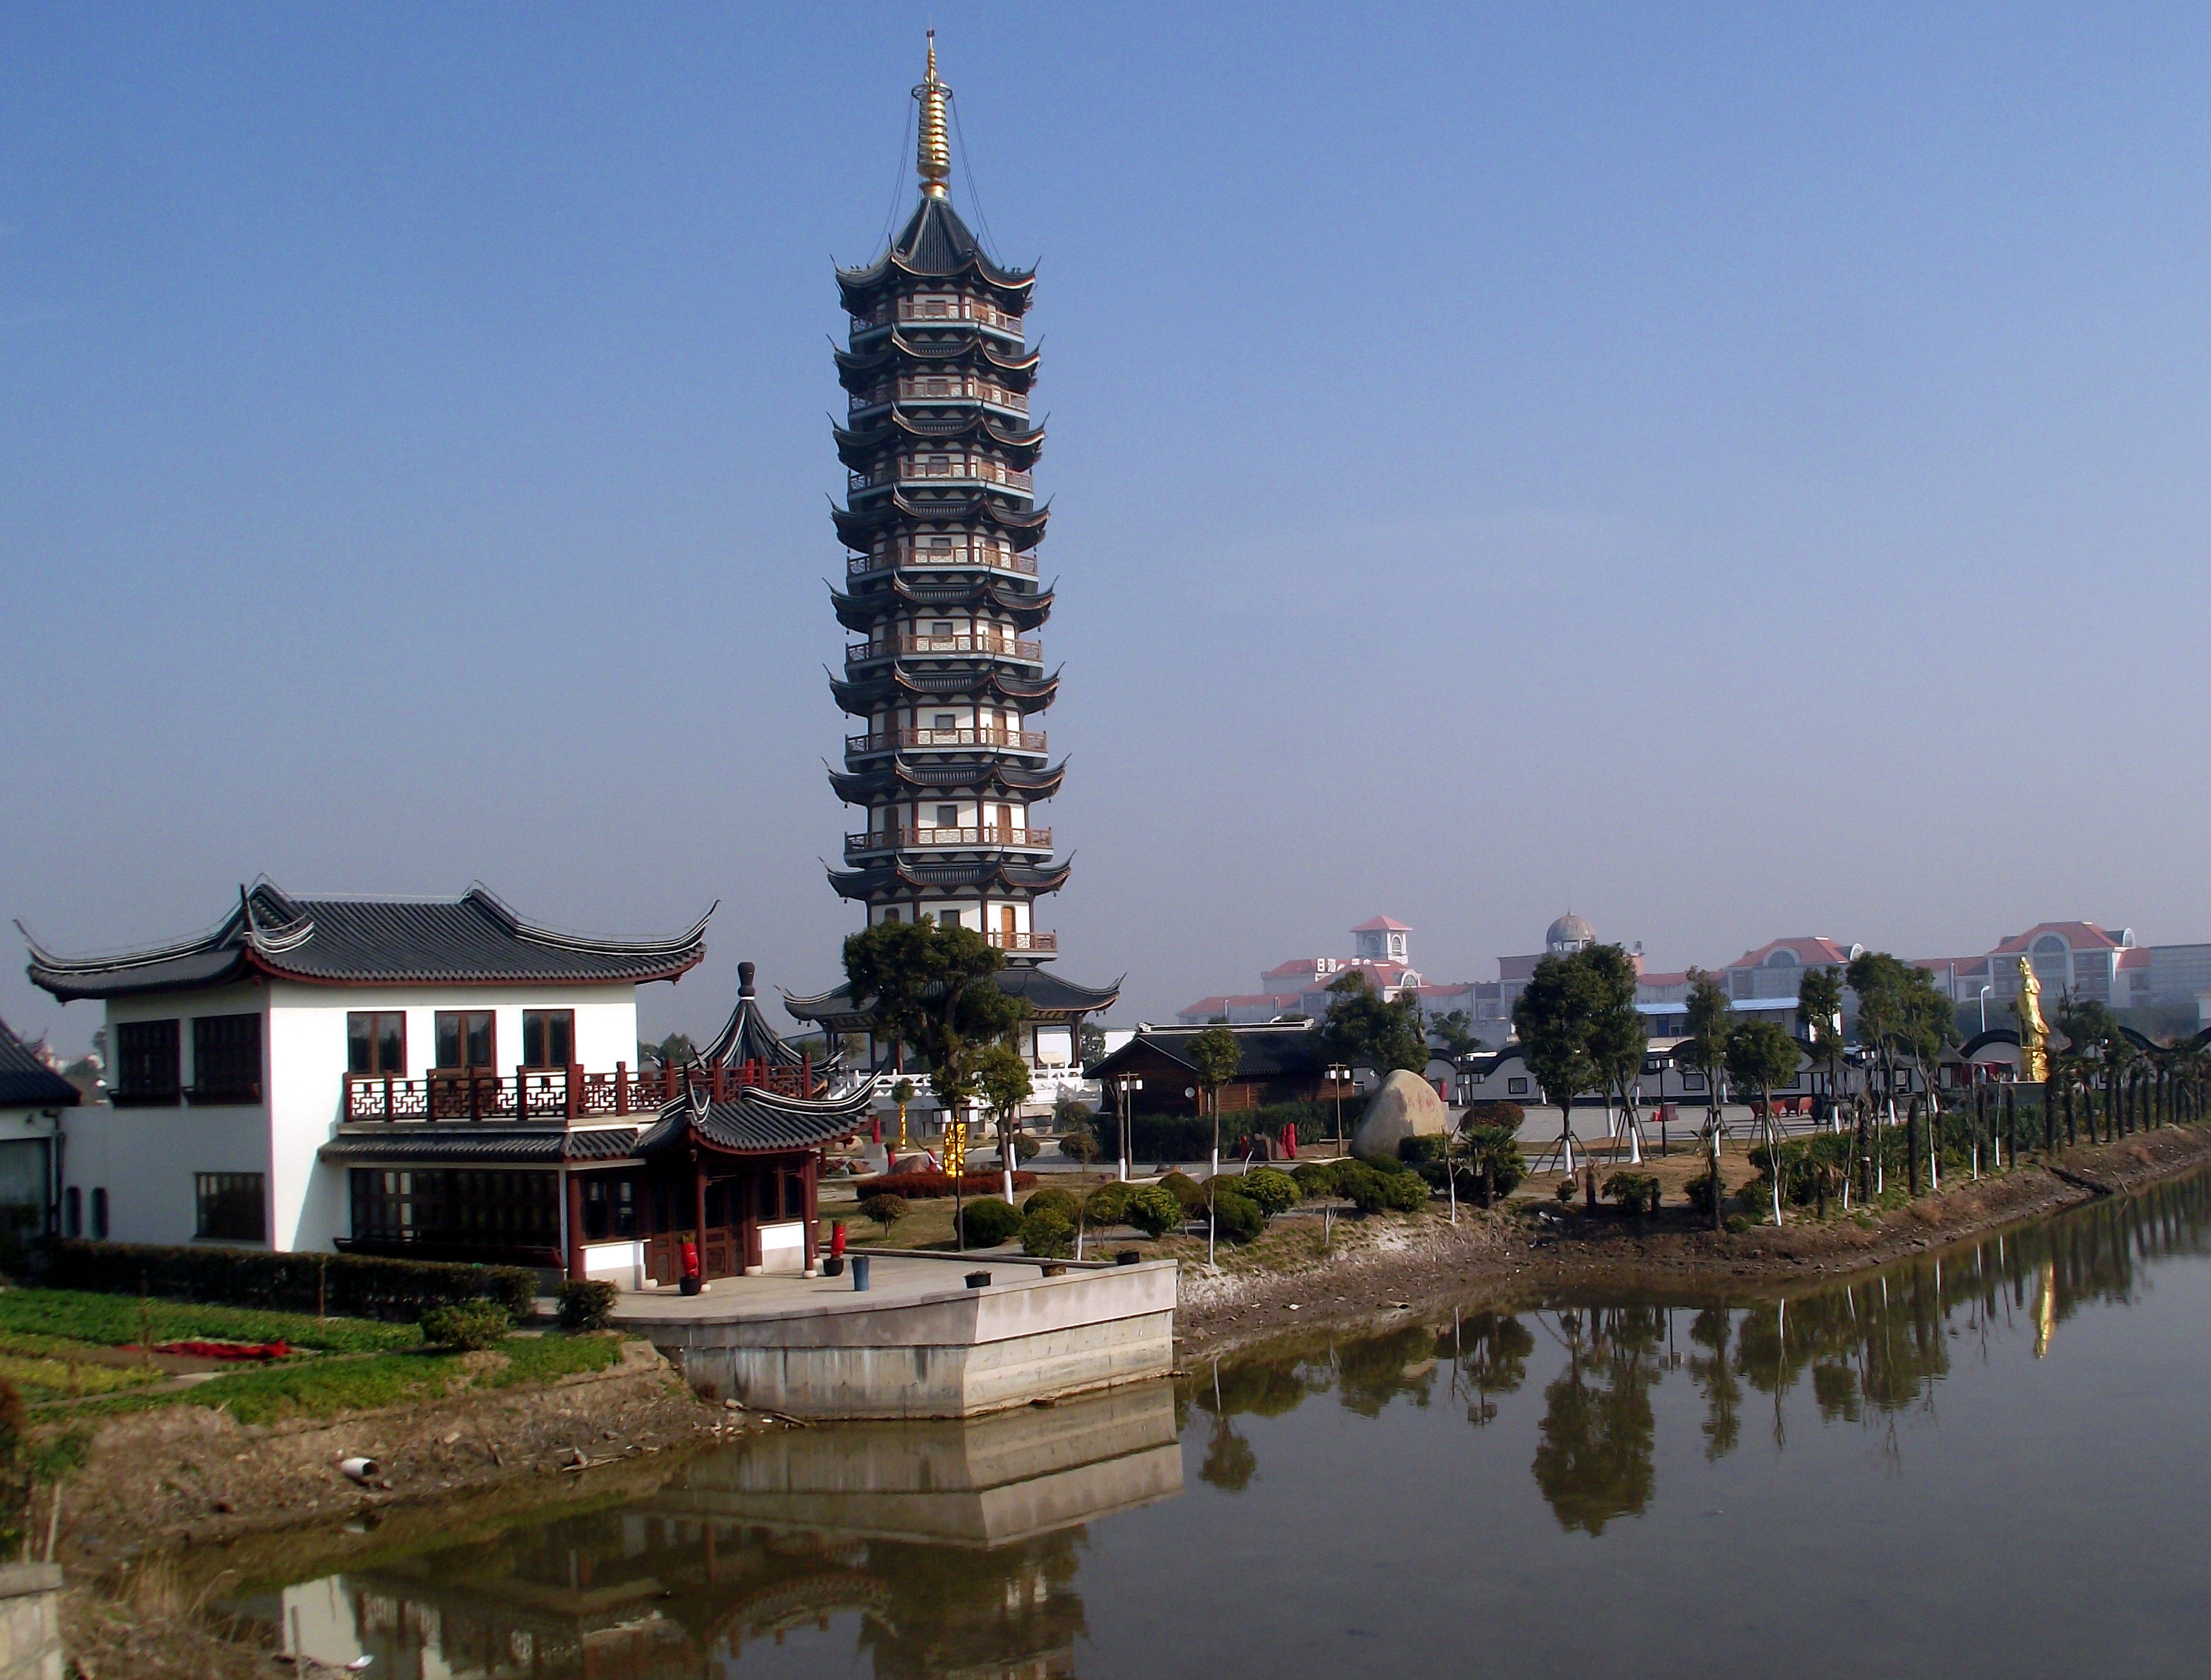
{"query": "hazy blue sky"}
(1745, 473)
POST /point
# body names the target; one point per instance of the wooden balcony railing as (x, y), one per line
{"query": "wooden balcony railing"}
(1024, 941)
(557, 1093)
(893, 740)
(996, 559)
(973, 468)
(1003, 647)
(904, 839)
(926, 309)
(940, 391)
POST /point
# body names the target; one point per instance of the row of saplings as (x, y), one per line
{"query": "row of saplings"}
(1237, 1206)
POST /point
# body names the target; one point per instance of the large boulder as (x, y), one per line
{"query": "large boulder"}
(1406, 1106)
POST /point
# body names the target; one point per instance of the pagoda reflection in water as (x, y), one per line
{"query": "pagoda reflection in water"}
(946, 1548)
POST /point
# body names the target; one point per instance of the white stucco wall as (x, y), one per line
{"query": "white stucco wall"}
(146, 1158)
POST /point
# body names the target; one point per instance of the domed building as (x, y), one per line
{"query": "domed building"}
(1568, 934)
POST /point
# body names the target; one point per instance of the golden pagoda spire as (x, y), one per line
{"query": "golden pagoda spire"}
(932, 152)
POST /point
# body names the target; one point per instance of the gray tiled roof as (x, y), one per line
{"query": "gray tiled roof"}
(756, 1121)
(933, 242)
(1267, 1051)
(481, 1140)
(26, 1082)
(473, 938)
(1049, 996)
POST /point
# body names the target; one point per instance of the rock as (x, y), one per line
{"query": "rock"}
(1406, 1106)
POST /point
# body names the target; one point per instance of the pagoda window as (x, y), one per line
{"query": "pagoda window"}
(940, 544)
(226, 1059)
(946, 720)
(947, 816)
(891, 916)
(941, 628)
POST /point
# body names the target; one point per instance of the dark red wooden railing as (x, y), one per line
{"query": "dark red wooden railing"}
(560, 1093)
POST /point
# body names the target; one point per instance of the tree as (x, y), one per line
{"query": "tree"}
(1820, 1012)
(1711, 1022)
(933, 990)
(1362, 1030)
(1092, 1040)
(1004, 1079)
(674, 1051)
(1217, 1054)
(1456, 1029)
(1618, 1035)
(1553, 1017)
(1879, 980)
(1762, 1055)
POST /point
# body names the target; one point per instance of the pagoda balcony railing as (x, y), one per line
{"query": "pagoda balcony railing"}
(1005, 942)
(927, 309)
(940, 391)
(970, 469)
(1005, 647)
(916, 839)
(994, 559)
(893, 740)
(562, 1094)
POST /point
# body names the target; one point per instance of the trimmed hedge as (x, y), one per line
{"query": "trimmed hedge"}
(1236, 1217)
(1190, 1137)
(1064, 1203)
(1048, 1233)
(1154, 1212)
(933, 1185)
(343, 1285)
(587, 1303)
(468, 1326)
(987, 1223)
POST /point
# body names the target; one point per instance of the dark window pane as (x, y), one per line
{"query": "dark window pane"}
(226, 1059)
(547, 1037)
(361, 1044)
(99, 1215)
(232, 1208)
(149, 1061)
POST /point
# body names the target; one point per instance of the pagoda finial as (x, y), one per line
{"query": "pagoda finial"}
(932, 153)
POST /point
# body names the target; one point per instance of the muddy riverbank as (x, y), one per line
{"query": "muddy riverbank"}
(1509, 1255)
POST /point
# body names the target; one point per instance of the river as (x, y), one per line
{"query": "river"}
(1984, 1462)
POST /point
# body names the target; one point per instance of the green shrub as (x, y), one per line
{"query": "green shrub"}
(986, 1222)
(1275, 1191)
(1316, 1180)
(1700, 1192)
(1568, 1188)
(927, 1184)
(1154, 1211)
(1497, 1147)
(466, 1325)
(1070, 1112)
(1237, 1218)
(1184, 1189)
(1374, 1191)
(15, 1469)
(1026, 1148)
(1487, 1116)
(1080, 1144)
(1635, 1193)
(1048, 1233)
(1064, 1203)
(1190, 1137)
(885, 1209)
(349, 1285)
(1108, 1204)
(587, 1303)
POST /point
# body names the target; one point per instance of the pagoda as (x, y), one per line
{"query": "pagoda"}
(945, 677)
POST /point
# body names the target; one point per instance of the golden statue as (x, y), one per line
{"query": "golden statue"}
(2033, 1030)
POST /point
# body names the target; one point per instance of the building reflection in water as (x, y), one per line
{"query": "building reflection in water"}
(949, 1548)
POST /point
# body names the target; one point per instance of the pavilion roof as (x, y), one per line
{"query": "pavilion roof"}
(472, 939)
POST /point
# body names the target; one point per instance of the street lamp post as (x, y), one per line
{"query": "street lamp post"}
(1130, 1086)
(1984, 1007)
(1338, 1076)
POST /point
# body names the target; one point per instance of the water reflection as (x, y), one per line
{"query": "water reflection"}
(1866, 1351)
(934, 1549)
(1457, 1470)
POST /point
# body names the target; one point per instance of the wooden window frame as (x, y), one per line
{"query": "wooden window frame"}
(542, 1019)
(372, 1019)
(461, 1017)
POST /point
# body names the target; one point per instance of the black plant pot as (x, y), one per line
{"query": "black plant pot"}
(688, 1286)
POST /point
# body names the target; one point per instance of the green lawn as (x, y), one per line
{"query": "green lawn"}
(323, 1388)
(112, 1321)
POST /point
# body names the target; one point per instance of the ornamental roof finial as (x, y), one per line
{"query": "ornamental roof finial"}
(932, 153)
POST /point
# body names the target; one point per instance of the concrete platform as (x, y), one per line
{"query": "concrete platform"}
(918, 1344)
